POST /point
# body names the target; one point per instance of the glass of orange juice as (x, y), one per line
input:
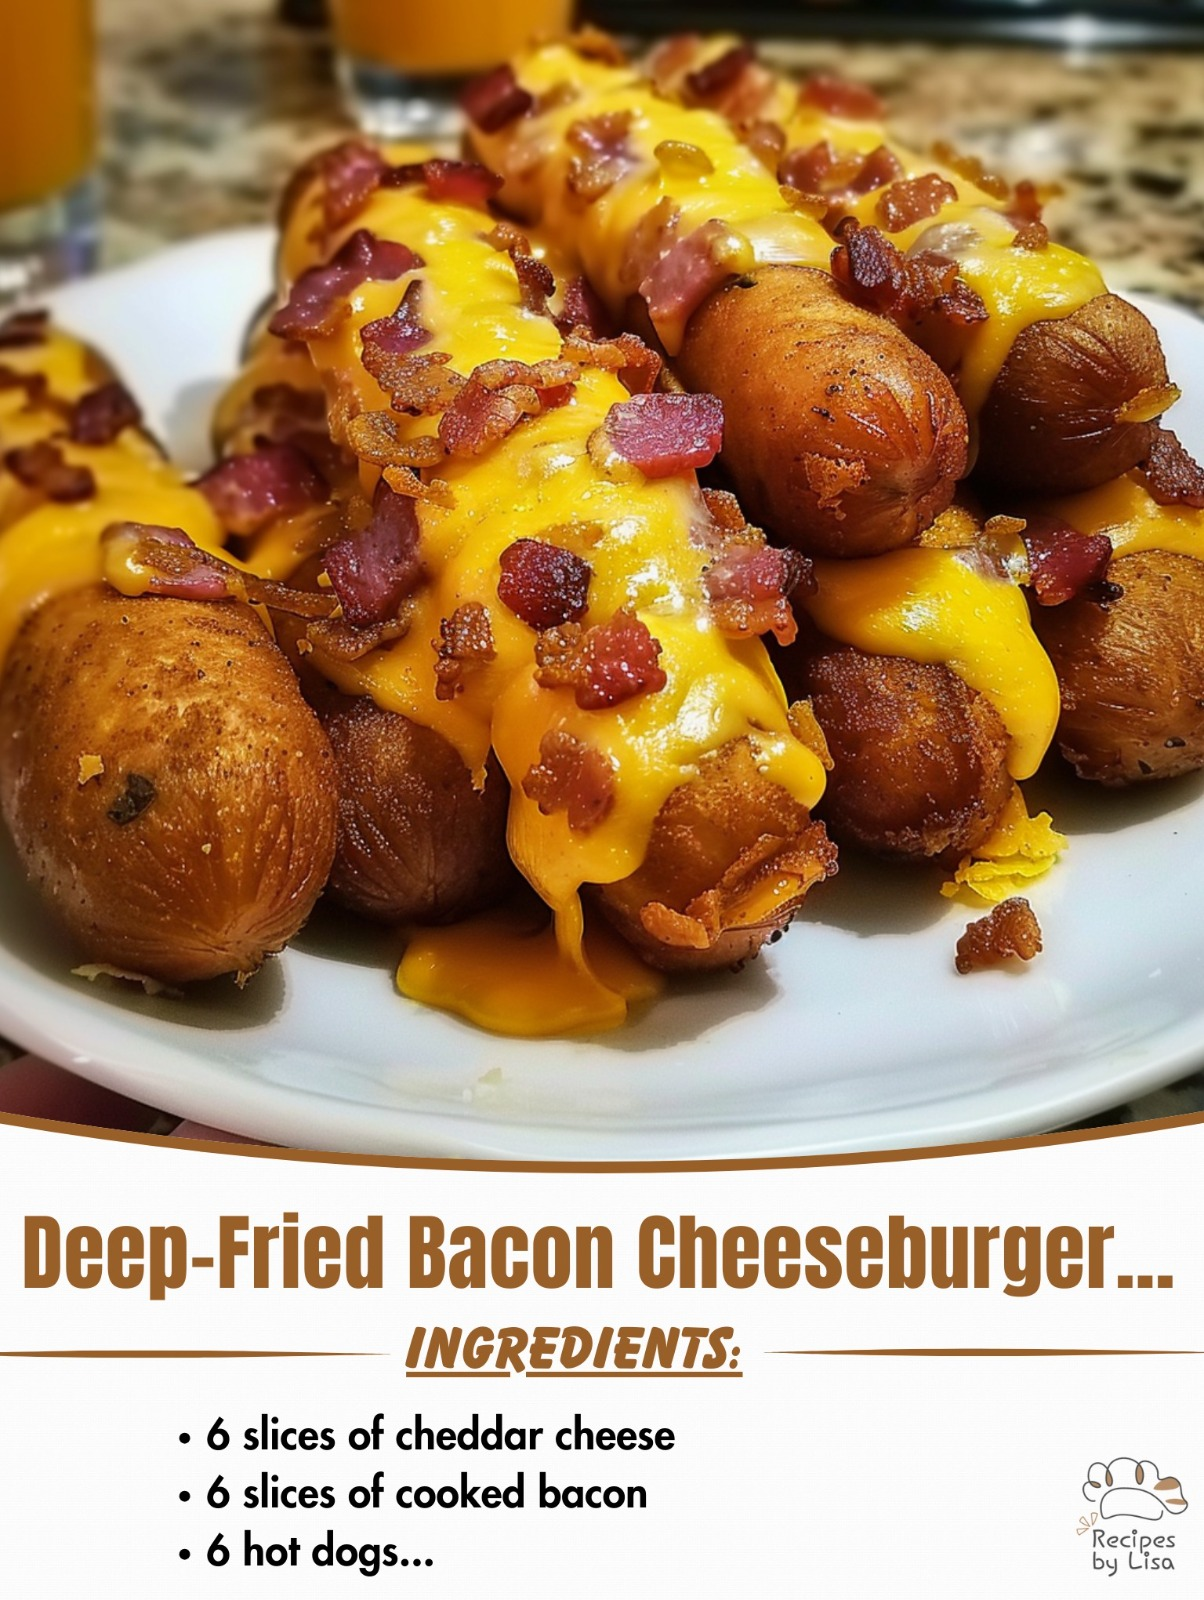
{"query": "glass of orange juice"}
(401, 63)
(47, 141)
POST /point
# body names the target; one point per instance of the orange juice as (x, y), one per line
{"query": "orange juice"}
(432, 38)
(47, 126)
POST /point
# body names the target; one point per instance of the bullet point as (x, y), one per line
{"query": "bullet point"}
(184, 1495)
(184, 1554)
(184, 1438)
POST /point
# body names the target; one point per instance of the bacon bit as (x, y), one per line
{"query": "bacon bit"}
(725, 510)
(342, 642)
(637, 365)
(466, 640)
(708, 83)
(912, 199)
(1024, 203)
(497, 396)
(1009, 930)
(465, 183)
(535, 282)
(389, 338)
(372, 570)
(666, 434)
(100, 415)
(843, 176)
(595, 44)
(605, 664)
(375, 436)
(648, 241)
(42, 466)
(904, 288)
(181, 570)
(838, 97)
(434, 491)
(750, 587)
(495, 99)
(603, 154)
(23, 329)
(1033, 236)
(421, 385)
(544, 584)
(511, 241)
(972, 170)
(1063, 562)
(1172, 477)
(809, 205)
(670, 58)
(766, 140)
(582, 311)
(351, 174)
(247, 492)
(317, 302)
(34, 384)
(573, 777)
(691, 269)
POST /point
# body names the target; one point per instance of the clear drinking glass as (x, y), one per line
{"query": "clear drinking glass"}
(47, 142)
(401, 63)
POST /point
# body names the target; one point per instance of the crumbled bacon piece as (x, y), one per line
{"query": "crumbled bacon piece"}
(42, 466)
(766, 140)
(351, 174)
(838, 97)
(375, 436)
(544, 584)
(602, 153)
(35, 385)
(670, 58)
(904, 288)
(496, 397)
(750, 587)
(1032, 236)
(373, 569)
(1011, 929)
(573, 777)
(972, 170)
(399, 334)
(1173, 477)
(707, 83)
(666, 434)
(1024, 203)
(582, 309)
(179, 569)
(420, 385)
(595, 44)
(495, 99)
(404, 480)
(638, 366)
(338, 639)
(504, 236)
(912, 199)
(1061, 561)
(465, 183)
(685, 274)
(100, 415)
(317, 302)
(247, 492)
(604, 665)
(840, 175)
(22, 329)
(465, 640)
(535, 283)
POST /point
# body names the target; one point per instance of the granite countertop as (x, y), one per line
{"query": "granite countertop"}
(208, 103)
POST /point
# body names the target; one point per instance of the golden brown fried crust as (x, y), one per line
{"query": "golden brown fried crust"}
(713, 842)
(919, 759)
(417, 843)
(207, 838)
(840, 435)
(1132, 672)
(1050, 423)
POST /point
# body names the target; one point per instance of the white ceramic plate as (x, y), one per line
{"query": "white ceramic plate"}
(853, 1033)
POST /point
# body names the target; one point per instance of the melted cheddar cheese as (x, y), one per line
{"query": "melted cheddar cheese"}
(728, 183)
(1134, 521)
(541, 482)
(47, 549)
(952, 608)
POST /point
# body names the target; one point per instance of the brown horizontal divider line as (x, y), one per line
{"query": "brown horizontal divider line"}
(851, 1158)
(178, 1355)
(446, 1374)
(983, 1350)
(530, 1374)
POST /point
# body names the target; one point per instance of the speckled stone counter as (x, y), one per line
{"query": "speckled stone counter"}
(209, 103)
